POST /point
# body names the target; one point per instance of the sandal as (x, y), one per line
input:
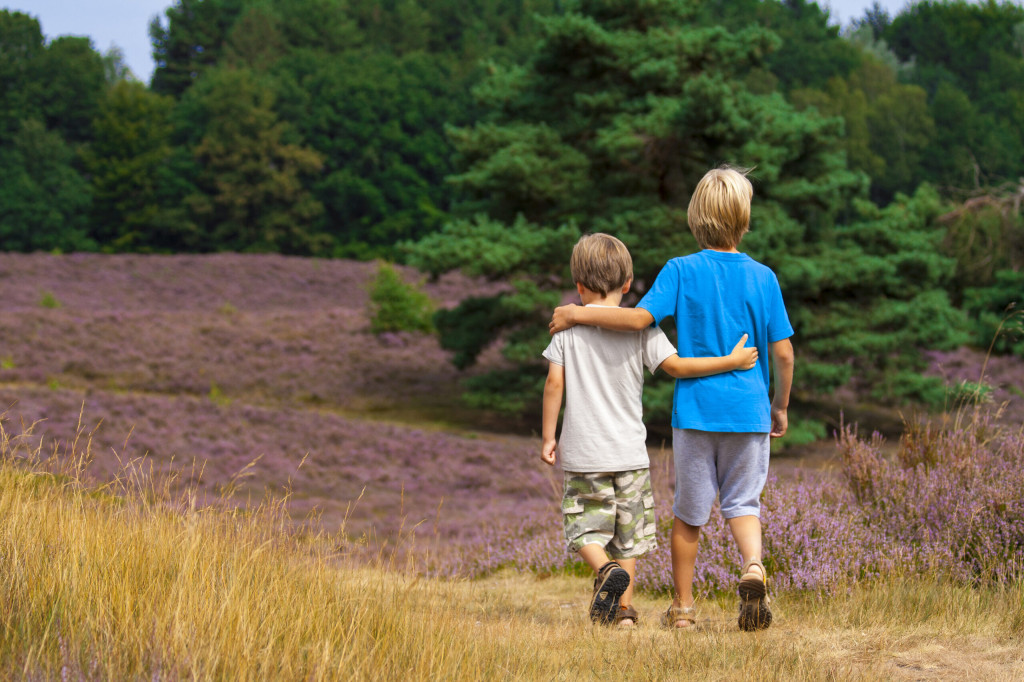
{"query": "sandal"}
(753, 590)
(625, 613)
(612, 580)
(677, 614)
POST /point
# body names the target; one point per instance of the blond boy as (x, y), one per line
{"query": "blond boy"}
(721, 424)
(608, 506)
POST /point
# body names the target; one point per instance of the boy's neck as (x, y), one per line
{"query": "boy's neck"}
(731, 249)
(612, 300)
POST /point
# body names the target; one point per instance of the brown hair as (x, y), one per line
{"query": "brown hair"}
(719, 211)
(601, 263)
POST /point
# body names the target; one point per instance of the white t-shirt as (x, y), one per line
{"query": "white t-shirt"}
(602, 428)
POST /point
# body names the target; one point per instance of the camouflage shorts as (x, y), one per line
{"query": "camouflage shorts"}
(614, 510)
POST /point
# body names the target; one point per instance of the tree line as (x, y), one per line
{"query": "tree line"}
(487, 135)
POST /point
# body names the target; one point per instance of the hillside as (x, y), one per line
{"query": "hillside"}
(230, 360)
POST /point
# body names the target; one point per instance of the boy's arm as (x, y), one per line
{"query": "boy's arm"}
(687, 368)
(552, 406)
(783, 359)
(618, 319)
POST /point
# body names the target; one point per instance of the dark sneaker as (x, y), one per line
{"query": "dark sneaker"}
(612, 580)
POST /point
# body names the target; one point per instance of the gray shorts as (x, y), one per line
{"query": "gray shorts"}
(614, 510)
(731, 466)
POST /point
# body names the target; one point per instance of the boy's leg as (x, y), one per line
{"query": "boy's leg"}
(684, 560)
(743, 470)
(746, 530)
(635, 531)
(696, 489)
(626, 600)
(594, 555)
(588, 508)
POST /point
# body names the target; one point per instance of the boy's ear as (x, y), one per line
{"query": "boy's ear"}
(625, 287)
(579, 289)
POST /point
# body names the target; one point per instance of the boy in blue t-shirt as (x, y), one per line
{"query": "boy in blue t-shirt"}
(721, 424)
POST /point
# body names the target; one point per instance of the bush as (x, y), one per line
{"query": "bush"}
(396, 306)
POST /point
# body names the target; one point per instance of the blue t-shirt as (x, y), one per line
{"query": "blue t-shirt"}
(715, 298)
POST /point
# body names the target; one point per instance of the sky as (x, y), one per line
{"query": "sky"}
(125, 23)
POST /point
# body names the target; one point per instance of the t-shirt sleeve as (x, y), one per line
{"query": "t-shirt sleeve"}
(554, 352)
(657, 348)
(660, 300)
(779, 326)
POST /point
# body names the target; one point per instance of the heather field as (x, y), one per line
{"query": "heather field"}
(229, 361)
(243, 398)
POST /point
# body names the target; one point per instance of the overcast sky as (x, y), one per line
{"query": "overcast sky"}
(125, 23)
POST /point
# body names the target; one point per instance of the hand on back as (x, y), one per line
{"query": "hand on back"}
(745, 358)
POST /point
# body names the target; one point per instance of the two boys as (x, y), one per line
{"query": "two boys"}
(721, 419)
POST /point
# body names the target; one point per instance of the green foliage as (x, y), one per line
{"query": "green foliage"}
(250, 194)
(378, 121)
(217, 396)
(75, 80)
(966, 57)
(810, 51)
(22, 41)
(611, 123)
(44, 201)
(800, 432)
(48, 300)
(996, 313)
(888, 125)
(190, 41)
(128, 164)
(396, 306)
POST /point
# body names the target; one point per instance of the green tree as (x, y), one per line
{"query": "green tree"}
(888, 124)
(378, 120)
(810, 51)
(21, 48)
(128, 165)
(44, 201)
(250, 192)
(191, 41)
(967, 47)
(621, 110)
(75, 80)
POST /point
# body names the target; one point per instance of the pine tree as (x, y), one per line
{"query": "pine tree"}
(623, 107)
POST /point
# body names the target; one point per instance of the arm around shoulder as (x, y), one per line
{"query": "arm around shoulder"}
(617, 319)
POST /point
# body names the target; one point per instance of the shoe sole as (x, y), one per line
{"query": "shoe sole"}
(754, 611)
(606, 598)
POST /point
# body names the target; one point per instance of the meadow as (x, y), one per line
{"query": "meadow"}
(210, 468)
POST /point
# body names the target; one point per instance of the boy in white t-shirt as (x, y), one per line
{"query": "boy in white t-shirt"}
(608, 504)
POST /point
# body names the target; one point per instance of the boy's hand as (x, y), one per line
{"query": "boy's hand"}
(745, 358)
(562, 318)
(547, 453)
(780, 422)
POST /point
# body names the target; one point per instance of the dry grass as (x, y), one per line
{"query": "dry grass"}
(128, 582)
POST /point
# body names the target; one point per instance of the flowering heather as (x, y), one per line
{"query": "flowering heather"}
(951, 503)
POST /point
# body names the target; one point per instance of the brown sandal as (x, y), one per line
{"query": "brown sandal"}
(612, 580)
(625, 613)
(753, 590)
(676, 614)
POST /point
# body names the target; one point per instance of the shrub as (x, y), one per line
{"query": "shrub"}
(396, 306)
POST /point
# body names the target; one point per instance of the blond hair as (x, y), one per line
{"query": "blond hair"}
(719, 211)
(601, 263)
